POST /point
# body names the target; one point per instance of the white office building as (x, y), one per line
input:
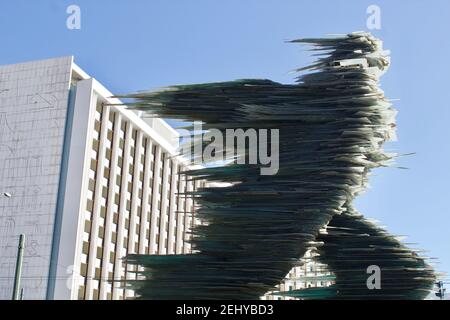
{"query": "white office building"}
(90, 183)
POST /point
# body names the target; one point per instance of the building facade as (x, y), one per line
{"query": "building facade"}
(90, 182)
(309, 274)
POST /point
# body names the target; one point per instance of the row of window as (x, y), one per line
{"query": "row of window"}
(116, 185)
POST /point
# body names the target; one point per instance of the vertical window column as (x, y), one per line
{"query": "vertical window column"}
(154, 205)
(146, 188)
(134, 171)
(94, 264)
(121, 227)
(162, 248)
(171, 243)
(108, 247)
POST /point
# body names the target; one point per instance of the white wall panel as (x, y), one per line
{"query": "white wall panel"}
(33, 108)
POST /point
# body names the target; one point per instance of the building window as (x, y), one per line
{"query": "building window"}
(81, 292)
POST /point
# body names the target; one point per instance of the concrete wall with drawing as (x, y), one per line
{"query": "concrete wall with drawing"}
(33, 108)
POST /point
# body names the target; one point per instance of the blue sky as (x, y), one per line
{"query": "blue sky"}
(136, 45)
